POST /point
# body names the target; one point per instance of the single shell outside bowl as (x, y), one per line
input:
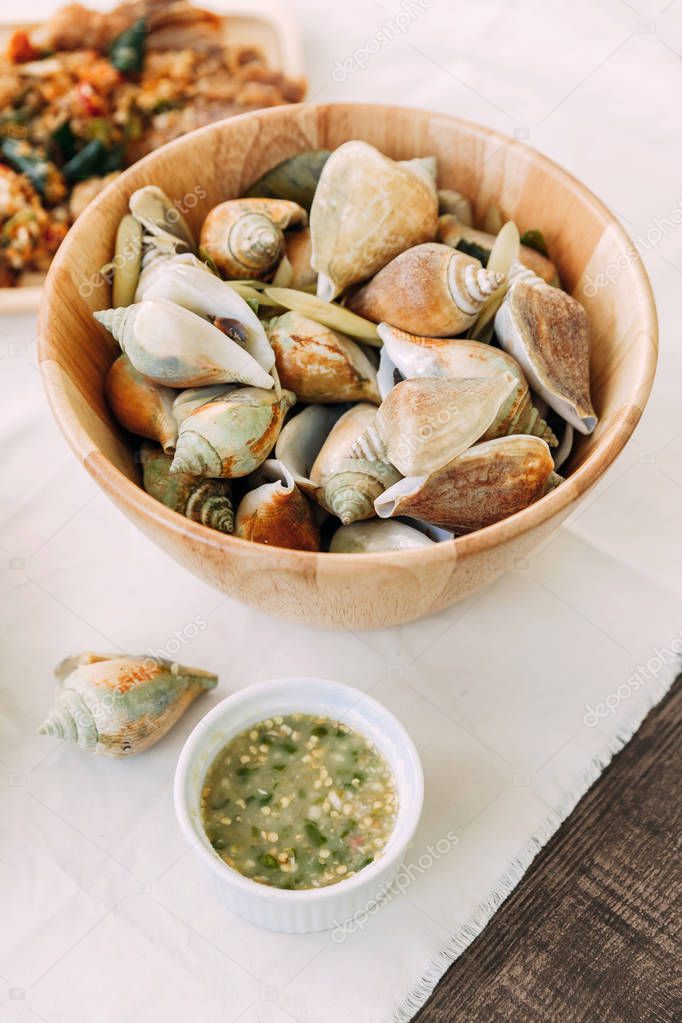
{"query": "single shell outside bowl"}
(352, 590)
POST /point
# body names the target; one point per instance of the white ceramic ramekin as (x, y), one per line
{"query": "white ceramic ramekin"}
(321, 908)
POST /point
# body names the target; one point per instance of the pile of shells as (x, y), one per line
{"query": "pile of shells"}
(343, 361)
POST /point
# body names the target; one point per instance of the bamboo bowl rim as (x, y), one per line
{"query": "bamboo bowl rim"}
(606, 448)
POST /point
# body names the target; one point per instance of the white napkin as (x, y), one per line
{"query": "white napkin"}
(516, 698)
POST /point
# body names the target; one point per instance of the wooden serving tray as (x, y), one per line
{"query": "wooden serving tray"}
(266, 27)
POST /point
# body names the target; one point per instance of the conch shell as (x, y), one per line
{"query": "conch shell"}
(244, 238)
(548, 333)
(231, 436)
(431, 290)
(159, 215)
(208, 501)
(167, 236)
(299, 443)
(277, 513)
(367, 208)
(141, 406)
(460, 235)
(347, 486)
(121, 705)
(298, 249)
(294, 179)
(176, 348)
(416, 356)
(318, 364)
(377, 535)
(424, 423)
(482, 485)
(206, 295)
(192, 398)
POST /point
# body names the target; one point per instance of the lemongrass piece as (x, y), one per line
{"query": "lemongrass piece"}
(328, 313)
(127, 261)
(251, 294)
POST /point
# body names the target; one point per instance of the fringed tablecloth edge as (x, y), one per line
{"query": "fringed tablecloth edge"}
(508, 881)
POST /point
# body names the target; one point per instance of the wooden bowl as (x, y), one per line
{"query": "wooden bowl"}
(219, 162)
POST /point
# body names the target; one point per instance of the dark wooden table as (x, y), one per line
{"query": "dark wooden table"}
(592, 932)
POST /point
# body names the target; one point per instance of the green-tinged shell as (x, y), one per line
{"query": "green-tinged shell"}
(294, 179)
(120, 705)
(177, 348)
(351, 492)
(207, 501)
(208, 296)
(232, 436)
(192, 398)
(127, 261)
(347, 487)
(375, 536)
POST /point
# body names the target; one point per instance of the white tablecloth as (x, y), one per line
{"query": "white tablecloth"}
(516, 698)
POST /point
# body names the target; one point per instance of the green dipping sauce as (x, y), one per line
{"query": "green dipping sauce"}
(299, 802)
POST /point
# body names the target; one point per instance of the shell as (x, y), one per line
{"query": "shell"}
(503, 258)
(336, 317)
(177, 348)
(157, 253)
(294, 179)
(367, 209)
(430, 290)
(139, 405)
(345, 486)
(461, 235)
(454, 204)
(548, 333)
(231, 436)
(186, 402)
(482, 485)
(206, 295)
(121, 705)
(318, 364)
(127, 261)
(244, 238)
(301, 439)
(206, 501)
(377, 535)
(563, 451)
(424, 423)
(159, 215)
(388, 374)
(298, 248)
(456, 360)
(277, 513)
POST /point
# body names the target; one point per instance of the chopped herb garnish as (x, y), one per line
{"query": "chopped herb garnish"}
(314, 833)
